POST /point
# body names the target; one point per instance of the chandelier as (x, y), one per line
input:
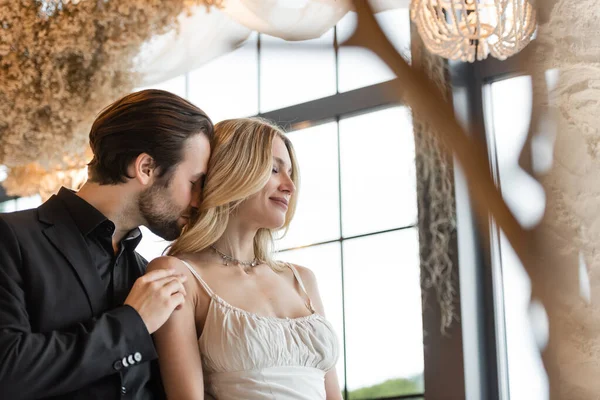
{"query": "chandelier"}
(472, 29)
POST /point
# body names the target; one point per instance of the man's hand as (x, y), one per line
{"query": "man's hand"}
(156, 295)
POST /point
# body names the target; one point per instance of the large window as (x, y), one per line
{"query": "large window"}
(355, 222)
(355, 225)
(508, 104)
(355, 228)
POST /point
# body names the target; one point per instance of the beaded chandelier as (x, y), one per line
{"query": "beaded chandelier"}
(467, 30)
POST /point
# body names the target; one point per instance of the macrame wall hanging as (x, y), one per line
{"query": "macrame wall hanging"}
(435, 197)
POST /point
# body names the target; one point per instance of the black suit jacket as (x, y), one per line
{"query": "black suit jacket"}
(55, 339)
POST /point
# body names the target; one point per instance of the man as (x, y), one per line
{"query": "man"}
(76, 314)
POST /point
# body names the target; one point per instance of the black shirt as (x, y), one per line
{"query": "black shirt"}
(118, 272)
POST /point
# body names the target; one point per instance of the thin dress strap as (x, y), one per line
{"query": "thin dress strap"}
(197, 275)
(297, 276)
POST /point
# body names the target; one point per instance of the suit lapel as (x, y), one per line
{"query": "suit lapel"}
(66, 237)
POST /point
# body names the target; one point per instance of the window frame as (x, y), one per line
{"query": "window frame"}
(485, 355)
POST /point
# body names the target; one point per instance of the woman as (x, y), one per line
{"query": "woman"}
(251, 327)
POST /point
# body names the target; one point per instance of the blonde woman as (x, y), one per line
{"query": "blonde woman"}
(251, 327)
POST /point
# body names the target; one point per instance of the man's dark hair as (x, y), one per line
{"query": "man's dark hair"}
(152, 121)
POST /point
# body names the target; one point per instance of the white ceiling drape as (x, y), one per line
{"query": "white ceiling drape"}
(209, 33)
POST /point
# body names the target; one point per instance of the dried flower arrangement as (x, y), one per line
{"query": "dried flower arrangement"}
(61, 62)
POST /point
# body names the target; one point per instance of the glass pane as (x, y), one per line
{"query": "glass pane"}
(295, 72)
(526, 375)
(324, 261)
(7, 206)
(378, 171)
(318, 201)
(26, 203)
(21, 203)
(510, 116)
(384, 336)
(227, 87)
(175, 86)
(151, 246)
(359, 67)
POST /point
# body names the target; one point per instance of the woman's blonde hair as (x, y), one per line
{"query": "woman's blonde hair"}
(240, 166)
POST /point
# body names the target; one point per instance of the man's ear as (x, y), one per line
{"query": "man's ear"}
(143, 169)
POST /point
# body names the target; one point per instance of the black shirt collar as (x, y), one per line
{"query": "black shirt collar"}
(89, 220)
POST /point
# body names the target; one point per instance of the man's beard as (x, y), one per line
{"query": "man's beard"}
(157, 209)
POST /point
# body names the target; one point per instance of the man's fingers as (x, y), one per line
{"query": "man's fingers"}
(158, 274)
(174, 286)
(161, 281)
(177, 301)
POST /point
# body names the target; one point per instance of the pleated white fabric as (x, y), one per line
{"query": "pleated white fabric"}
(248, 356)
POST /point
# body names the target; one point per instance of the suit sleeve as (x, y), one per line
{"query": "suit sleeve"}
(47, 364)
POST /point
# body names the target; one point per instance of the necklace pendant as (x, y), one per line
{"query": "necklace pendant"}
(246, 265)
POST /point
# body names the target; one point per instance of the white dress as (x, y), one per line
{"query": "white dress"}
(251, 357)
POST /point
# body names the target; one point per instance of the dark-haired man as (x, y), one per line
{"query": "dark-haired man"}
(76, 310)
